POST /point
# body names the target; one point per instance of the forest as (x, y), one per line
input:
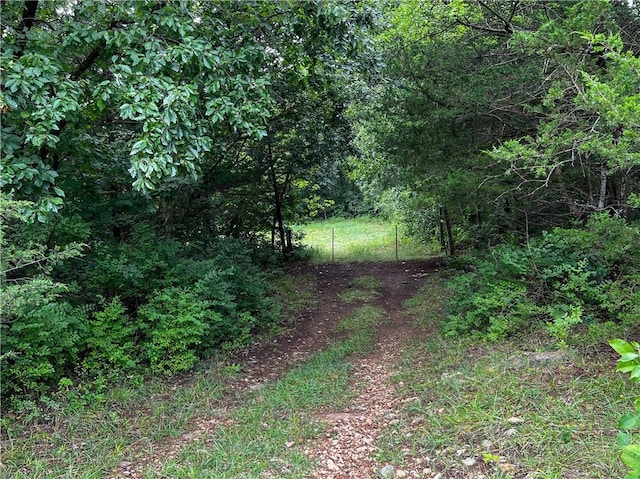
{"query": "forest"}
(155, 155)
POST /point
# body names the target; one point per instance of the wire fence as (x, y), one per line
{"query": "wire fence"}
(363, 242)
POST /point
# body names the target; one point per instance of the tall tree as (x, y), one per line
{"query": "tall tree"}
(466, 78)
(135, 101)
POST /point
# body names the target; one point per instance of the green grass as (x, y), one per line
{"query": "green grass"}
(262, 433)
(464, 394)
(267, 433)
(362, 289)
(81, 441)
(360, 239)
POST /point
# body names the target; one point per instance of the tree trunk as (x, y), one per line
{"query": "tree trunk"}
(602, 198)
(278, 219)
(446, 235)
(28, 17)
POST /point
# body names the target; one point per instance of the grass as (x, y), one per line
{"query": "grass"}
(259, 436)
(360, 239)
(515, 417)
(84, 440)
(363, 289)
(266, 434)
(458, 399)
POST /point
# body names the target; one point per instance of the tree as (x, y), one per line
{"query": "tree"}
(469, 87)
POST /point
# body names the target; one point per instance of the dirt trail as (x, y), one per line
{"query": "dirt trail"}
(348, 448)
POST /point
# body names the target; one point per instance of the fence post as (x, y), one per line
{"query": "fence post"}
(397, 242)
(333, 245)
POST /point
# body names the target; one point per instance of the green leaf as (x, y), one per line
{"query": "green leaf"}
(629, 421)
(631, 456)
(625, 367)
(623, 439)
(626, 357)
(621, 346)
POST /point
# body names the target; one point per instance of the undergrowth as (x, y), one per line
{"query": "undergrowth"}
(580, 285)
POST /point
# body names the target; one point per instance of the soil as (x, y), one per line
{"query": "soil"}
(349, 446)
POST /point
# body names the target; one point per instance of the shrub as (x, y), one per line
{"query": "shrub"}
(236, 289)
(132, 269)
(110, 341)
(564, 279)
(147, 303)
(40, 346)
(629, 424)
(174, 323)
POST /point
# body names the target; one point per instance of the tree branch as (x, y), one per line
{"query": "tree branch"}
(28, 17)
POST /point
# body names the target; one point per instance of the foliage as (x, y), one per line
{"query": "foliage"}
(564, 278)
(40, 346)
(516, 117)
(629, 363)
(149, 304)
(110, 341)
(206, 115)
(40, 333)
(131, 269)
(174, 323)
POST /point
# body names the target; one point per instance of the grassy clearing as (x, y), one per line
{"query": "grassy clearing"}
(516, 410)
(360, 239)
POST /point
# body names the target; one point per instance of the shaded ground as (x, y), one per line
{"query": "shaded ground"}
(349, 445)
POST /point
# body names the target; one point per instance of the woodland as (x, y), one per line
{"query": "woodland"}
(155, 155)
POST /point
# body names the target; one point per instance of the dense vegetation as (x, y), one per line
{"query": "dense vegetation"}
(152, 153)
(155, 154)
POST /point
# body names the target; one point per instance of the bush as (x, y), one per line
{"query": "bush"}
(110, 342)
(40, 347)
(560, 281)
(146, 304)
(236, 289)
(174, 323)
(131, 270)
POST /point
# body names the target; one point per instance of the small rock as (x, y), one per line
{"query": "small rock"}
(331, 465)
(506, 467)
(515, 420)
(438, 476)
(387, 472)
(400, 474)
(469, 462)
(511, 432)
(486, 444)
